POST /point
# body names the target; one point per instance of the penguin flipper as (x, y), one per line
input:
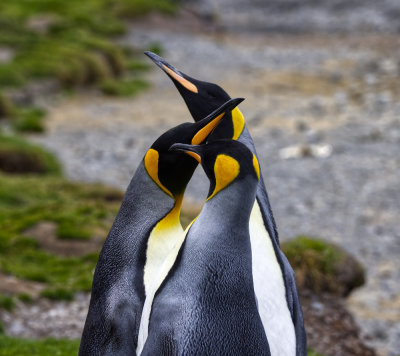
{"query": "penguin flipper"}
(294, 306)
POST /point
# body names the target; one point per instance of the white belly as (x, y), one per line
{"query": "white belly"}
(269, 288)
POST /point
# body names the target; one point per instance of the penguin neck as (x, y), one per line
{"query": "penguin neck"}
(162, 239)
(232, 206)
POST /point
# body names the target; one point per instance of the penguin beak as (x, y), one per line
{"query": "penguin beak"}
(205, 126)
(191, 150)
(172, 72)
(203, 129)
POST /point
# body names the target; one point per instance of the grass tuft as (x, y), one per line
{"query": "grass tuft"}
(72, 42)
(69, 40)
(69, 231)
(29, 120)
(24, 297)
(57, 294)
(44, 347)
(311, 352)
(81, 210)
(18, 156)
(6, 107)
(323, 267)
(6, 302)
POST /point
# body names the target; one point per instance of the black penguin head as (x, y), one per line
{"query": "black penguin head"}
(172, 170)
(224, 161)
(201, 98)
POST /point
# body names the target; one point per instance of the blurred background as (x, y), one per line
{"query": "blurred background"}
(80, 104)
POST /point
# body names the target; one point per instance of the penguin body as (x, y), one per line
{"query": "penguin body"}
(118, 291)
(206, 305)
(278, 315)
(146, 228)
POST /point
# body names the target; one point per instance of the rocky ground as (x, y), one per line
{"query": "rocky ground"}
(294, 16)
(324, 114)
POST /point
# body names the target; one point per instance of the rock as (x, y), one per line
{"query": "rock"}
(306, 150)
(6, 54)
(331, 329)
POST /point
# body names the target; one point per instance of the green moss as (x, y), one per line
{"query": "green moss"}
(45, 347)
(57, 294)
(6, 107)
(6, 302)
(70, 231)
(310, 352)
(123, 87)
(27, 200)
(323, 267)
(72, 42)
(322, 254)
(67, 38)
(10, 76)
(29, 120)
(129, 8)
(156, 48)
(19, 156)
(24, 297)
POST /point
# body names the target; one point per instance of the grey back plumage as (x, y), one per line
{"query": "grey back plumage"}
(118, 290)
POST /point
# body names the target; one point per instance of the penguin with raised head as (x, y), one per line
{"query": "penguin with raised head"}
(273, 275)
(146, 228)
(206, 305)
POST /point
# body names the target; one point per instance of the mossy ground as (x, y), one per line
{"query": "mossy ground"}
(79, 210)
(19, 156)
(323, 267)
(71, 42)
(50, 347)
(47, 347)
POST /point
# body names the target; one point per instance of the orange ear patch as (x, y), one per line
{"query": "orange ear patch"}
(194, 155)
(206, 130)
(188, 85)
(151, 165)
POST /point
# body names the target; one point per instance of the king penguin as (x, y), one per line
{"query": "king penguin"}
(273, 275)
(206, 305)
(146, 228)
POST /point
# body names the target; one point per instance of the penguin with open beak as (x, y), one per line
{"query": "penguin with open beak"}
(206, 304)
(146, 228)
(273, 275)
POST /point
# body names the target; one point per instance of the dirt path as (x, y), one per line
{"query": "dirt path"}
(340, 93)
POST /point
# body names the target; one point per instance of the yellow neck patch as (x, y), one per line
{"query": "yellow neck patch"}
(172, 218)
(162, 240)
(206, 130)
(256, 166)
(151, 165)
(194, 155)
(188, 85)
(226, 169)
(238, 123)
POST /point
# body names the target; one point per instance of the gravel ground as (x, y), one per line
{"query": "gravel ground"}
(295, 16)
(329, 148)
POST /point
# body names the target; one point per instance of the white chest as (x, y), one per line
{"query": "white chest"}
(269, 288)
